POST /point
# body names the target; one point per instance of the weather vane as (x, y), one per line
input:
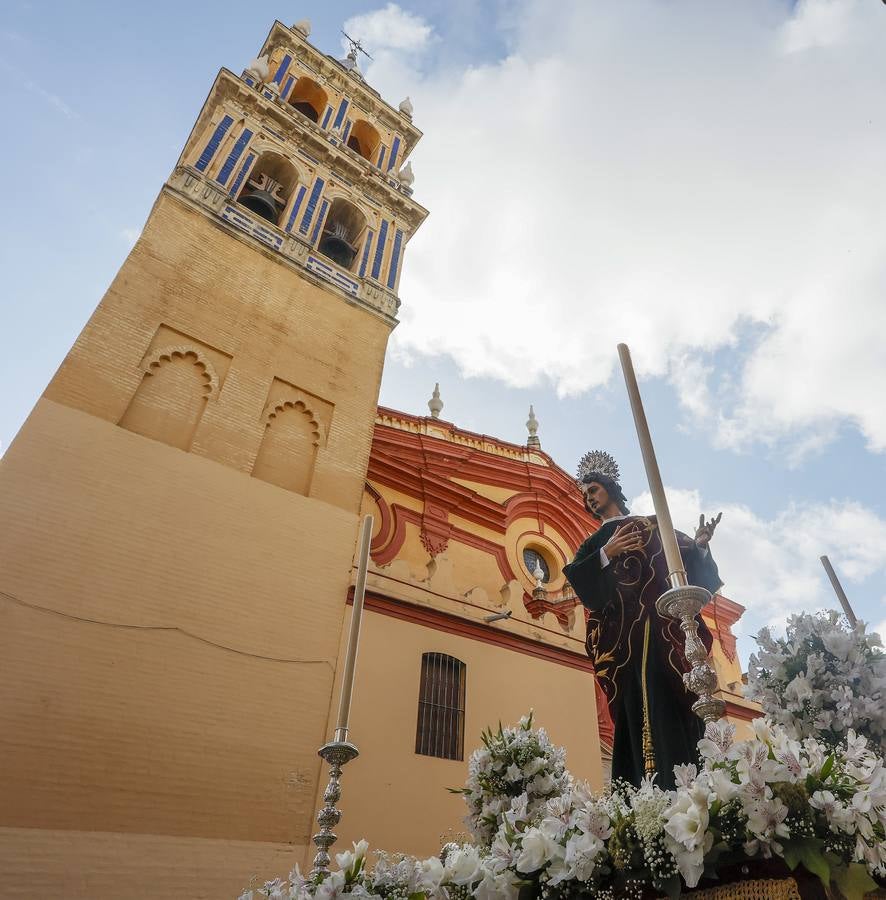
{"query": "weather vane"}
(357, 47)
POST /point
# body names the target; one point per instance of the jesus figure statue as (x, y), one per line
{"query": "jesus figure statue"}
(618, 574)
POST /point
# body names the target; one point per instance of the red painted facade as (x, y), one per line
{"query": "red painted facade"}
(424, 467)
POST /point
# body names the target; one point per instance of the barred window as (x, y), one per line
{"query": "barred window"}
(441, 707)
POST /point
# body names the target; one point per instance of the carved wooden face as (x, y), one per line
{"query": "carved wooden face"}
(597, 500)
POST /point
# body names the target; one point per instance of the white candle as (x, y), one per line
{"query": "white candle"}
(838, 590)
(347, 682)
(676, 570)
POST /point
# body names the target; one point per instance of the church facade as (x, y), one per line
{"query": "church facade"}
(179, 514)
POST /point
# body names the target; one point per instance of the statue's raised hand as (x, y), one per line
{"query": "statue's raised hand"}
(705, 530)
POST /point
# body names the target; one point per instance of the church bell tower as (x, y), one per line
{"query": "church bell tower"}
(178, 515)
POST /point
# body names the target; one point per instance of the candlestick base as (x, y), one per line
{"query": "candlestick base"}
(336, 754)
(684, 603)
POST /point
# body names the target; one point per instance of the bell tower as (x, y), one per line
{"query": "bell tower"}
(178, 515)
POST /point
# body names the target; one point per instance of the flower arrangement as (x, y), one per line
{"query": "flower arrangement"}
(462, 873)
(771, 796)
(512, 775)
(822, 679)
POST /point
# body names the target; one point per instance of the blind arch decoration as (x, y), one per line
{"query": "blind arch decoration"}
(440, 730)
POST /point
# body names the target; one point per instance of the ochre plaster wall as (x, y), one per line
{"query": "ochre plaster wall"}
(172, 622)
(396, 798)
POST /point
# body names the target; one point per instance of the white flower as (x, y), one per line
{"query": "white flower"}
(717, 740)
(331, 887)
(273, 890)
(497, 887)
(431, 873)
(542, 784)
(463, 865)
(691, 862)
(799, 689)
(514, 772)
(685, 773)
(537, 849)
(582, 851)
(722, 785)
(687, 820)
(766, 823)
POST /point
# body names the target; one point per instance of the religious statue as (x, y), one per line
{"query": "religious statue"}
(639, 660)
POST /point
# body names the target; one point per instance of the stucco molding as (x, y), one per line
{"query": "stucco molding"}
(182, 351)
(275, 407)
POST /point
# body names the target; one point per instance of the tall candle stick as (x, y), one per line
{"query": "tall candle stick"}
(838, 590)
(340, 751)
(682, 601)
(347, 681)
(676, 570)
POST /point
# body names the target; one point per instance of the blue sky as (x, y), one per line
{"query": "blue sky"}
(702, 180)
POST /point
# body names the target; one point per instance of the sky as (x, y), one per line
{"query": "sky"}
(703, 180)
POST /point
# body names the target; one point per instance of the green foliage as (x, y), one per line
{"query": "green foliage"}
(854, 881)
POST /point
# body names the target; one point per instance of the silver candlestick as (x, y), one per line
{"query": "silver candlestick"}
(684, 602)
(336, 753)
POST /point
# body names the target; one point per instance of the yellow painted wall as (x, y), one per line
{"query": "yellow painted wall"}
(397, 799)
(173, 622)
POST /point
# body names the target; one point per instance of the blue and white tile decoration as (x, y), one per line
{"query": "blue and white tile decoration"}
(367, 245)
(250, 159)
(380, 248)
(246, 223)
(281, 70)
(212, 144)
(332, 274)
(395, 150)
(316, 190)
(340, 115)
(234, 156)
(395, 258)
(316, 232)
(295, 207)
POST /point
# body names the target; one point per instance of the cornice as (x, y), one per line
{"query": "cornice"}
(188, 186)
(402, 458)
(442, 621)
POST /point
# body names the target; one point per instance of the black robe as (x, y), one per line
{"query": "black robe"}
(620, 601)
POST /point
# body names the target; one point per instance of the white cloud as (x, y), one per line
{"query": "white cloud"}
(772, 566)
(390, 28)
(665, 175)
(27, 84)
(818, 23)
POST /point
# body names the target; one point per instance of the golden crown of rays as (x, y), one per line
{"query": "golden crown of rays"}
(598, 462)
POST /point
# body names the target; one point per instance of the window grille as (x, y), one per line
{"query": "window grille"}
(440, 730)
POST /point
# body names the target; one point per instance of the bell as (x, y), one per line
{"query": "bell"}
(337, 249)
(306, 109)
(262, 204)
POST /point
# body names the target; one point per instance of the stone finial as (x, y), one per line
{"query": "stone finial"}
(303, 26)
(406, 176)
(539, 575)
(349, 63)
(406, 107)
(260, 68)
(435, 404)
(532, 425)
